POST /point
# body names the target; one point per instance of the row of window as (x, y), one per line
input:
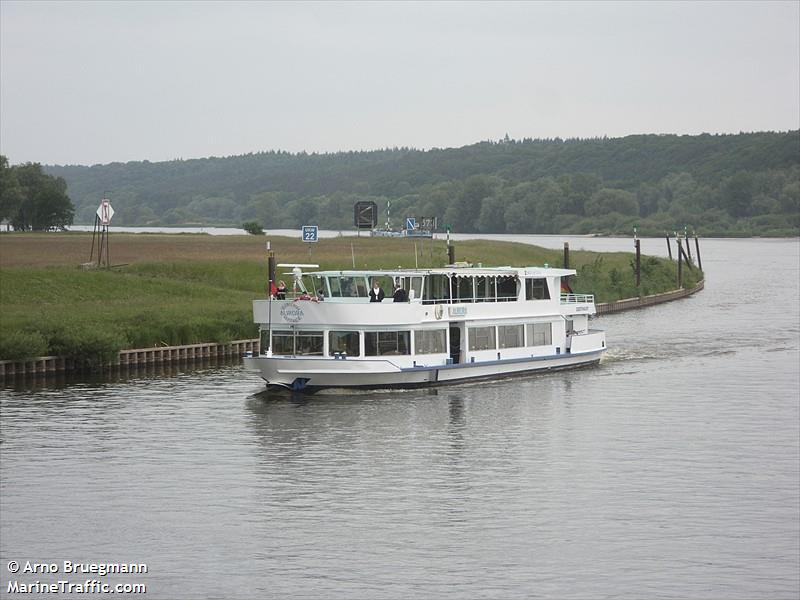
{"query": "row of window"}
(510, 336)
(376, 343)
(482, 289)
(426, 341)
(437, 288)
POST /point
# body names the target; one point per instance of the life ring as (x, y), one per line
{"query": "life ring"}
(438, 311)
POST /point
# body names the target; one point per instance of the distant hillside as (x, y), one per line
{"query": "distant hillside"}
(741, 184)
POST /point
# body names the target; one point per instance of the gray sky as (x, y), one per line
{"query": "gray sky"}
(86, 83)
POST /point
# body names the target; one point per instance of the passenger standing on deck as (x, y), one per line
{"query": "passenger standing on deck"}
(376, 293)
(399, 293)
(281, 290)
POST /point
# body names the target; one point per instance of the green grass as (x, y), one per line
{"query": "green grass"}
(90, 315)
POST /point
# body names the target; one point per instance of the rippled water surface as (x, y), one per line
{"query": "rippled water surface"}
(672, 470)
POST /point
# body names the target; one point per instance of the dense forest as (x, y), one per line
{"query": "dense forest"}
(744, 184)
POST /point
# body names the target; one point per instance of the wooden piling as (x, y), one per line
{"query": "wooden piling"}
(669, 247)
(566, 255)
(686, 257)
(638, 245)
(451, 254)
(697, 252)
(680, 263)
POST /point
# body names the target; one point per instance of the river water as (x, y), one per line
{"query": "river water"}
(672, 470)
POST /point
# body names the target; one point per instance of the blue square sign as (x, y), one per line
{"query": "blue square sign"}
(310, 233)
(411, 223)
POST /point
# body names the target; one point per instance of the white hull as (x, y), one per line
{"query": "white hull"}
(311, 374)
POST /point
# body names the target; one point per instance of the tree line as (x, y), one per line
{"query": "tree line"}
(742, 184)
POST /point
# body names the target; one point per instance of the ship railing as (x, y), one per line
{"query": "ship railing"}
(469, 299)
(577, 298)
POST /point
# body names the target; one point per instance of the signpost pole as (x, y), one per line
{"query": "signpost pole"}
(94, 236)
(102, 220)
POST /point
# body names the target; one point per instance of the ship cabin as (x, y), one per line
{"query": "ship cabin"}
(445, 316)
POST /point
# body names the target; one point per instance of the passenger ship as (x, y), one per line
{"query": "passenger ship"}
(457, 323)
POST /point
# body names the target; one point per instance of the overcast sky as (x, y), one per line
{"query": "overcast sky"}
(96, 82)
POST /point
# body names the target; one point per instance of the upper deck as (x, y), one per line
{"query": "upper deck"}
(455, 293)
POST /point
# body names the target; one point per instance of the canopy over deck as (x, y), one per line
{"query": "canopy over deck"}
(449, 271)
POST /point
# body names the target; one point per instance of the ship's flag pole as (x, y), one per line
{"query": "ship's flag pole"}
(271, 274)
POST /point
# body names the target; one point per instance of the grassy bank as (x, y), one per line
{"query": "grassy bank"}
(181, 289)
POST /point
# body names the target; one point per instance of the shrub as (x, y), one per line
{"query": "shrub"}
(253, 227)
(18, 345)
(88, 345)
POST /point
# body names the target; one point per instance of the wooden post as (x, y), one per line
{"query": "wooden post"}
(669, 248)
(451, 254)
(566, 255)
(697, 249)
(637, 243)
(688, 250)
(685, 256)
(680, 263)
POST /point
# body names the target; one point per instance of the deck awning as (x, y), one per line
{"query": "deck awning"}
(451, 272)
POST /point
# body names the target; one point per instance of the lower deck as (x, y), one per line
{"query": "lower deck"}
(452, 342)
(308, 373)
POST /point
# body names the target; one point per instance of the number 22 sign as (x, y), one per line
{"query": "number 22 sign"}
(310, 233)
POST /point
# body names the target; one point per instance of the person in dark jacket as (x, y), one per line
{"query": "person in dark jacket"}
(281, 291)
(376, 293)
(399, 293)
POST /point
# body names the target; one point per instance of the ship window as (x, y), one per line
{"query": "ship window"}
(308, 343)
(362, 287)
(510, 336)
(437, 289)
(381, 343)
(282, 342)
(481, 289)
(430, 341)
(506, 289)
(463, 289)
(343, 341)
(264, 341)
(540, 334)
(482, 338)
(317, 285)
(336, 288)
(536, 289)
(415, 291)
(353, 287)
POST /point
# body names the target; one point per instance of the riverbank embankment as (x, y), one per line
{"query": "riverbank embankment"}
(191, 354)
(645, 301)
(171, 291)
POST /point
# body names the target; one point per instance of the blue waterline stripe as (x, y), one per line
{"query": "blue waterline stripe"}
(503, 361)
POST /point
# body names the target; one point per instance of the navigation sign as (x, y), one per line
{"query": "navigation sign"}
(310, 233)
(366, 215)
(411, 223)
(105, 211)
(429, 223)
